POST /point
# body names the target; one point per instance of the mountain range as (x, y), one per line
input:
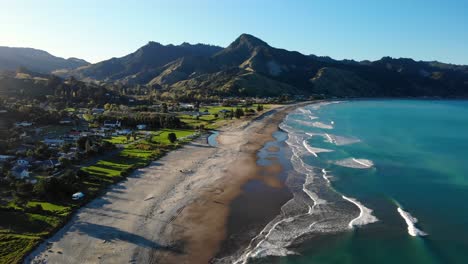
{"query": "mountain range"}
(35, 60)
(251, 67)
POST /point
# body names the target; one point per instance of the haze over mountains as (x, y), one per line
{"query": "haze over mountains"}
(35, 60)
(250, 67)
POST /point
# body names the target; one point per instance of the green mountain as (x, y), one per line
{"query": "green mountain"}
(251, 67)
(142, 65)
(35, 60)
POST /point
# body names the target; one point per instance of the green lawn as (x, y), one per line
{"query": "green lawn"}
(54, 208)
(119, 140)
(180, 133)
(13, 247)
(21, 231)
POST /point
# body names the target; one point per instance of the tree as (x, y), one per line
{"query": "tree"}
(81, 143)
(66, 163)
(239, 112)
(172, 137)
(259, 108)
(164, 108)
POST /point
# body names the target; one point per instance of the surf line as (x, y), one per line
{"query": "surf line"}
(253, 252)
(411, 223)
(324, 175)
(309, 149)
(365, 214)
(330, 139)
(362, 163)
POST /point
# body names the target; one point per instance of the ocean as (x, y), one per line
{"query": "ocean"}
(373, 181)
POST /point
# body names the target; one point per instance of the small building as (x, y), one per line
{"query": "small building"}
(20, 172)
(49, 164)
(6, 158)
(124, 132)
(141, 126)
(23, 124)
(186, 106)
(112, 124)
(65, 121)
(54, 142)
(22, 162)
(97, 111)
(77, 196)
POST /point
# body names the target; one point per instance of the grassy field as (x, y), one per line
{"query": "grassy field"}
(162, 137)
(21, 229)
(211, 121)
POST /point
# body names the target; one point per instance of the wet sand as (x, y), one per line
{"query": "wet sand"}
(174, 211)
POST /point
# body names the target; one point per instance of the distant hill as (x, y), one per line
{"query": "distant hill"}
(143, 64)
(35, 60)
(251, 67)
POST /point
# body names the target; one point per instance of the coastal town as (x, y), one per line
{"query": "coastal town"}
(54, 161)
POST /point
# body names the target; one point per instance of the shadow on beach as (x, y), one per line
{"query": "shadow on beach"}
(110, 234)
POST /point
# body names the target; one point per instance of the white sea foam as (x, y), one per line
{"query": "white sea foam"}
(325, 177)
(339, 140)
(322, 125)
(411, 222)
(313, 150)
(365, 215)
(355, 163)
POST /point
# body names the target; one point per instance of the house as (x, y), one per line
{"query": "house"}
(141, 126)
(124, 132)
(22, 162)
(112, 124)
(53, 142)
(97, 111)
(77, 196)
(23, 124)
(5, 158)
(20, 172)
(49, 164)
(186, 106)
(65, 121)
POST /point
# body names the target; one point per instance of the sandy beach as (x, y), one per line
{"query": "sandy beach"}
(173, 211)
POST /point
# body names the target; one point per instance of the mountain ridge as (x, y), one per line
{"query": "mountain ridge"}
(37, 60)
(249, 66)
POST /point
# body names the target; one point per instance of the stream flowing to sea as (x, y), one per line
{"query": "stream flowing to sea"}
(374, 181)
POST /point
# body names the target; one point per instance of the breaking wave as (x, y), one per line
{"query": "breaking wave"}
(411, 223)
(355, 163)
(316, 208)
(314, 151)
(365, 214)
(322, 125)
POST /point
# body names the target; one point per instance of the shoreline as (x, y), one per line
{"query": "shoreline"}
(180, 217)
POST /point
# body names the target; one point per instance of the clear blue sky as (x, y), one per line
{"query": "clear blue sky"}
(361, 29)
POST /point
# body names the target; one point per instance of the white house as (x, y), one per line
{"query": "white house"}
(77, 196)
(124, 132)
(54, 142)
(112, 124)
(23, 124)
(141, 126)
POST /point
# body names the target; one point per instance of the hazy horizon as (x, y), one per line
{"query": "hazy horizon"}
(421, 30)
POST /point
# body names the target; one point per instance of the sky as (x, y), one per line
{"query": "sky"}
(97, 30)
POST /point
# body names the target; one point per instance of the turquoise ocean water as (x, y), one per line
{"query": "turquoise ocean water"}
(385, 155)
